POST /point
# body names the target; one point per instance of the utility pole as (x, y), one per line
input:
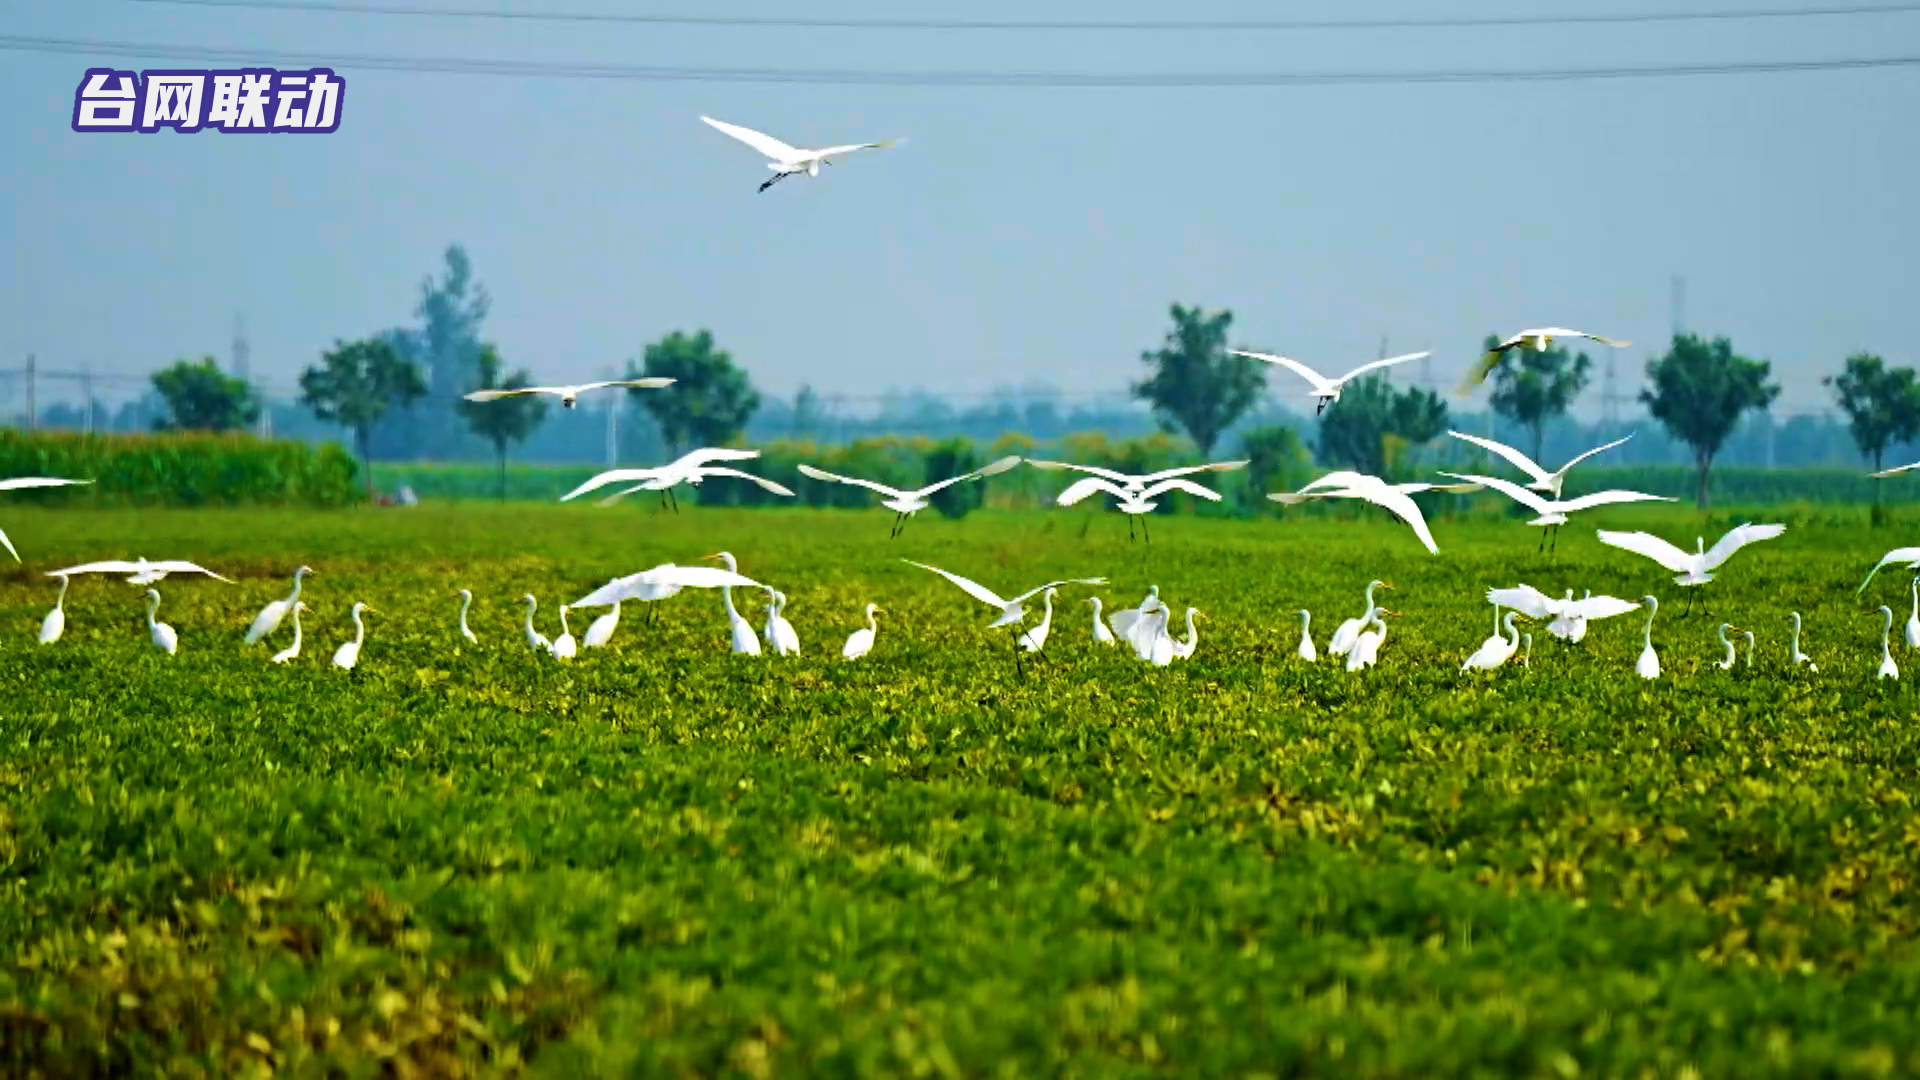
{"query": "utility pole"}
(33, 420)
(1610, 393)
(86, 392)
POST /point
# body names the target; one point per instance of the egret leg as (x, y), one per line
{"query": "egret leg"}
(777, 177)
(1556, 541)
(1129, 526)
(674, 499)
(1543, 542)
(1144, 530)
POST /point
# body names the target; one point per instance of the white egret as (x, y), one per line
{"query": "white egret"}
(349, 654)
(788, 160)
(292, 650)
(1035, 638)
(564, 647)
(1348, 632)
(1496, 650)
(1353, 485)
(1134, 504)
(1570, 616)
(1541, 479)
(860, 642)
(1888, 669)
(1335, 483)
(144, 572)
(600, 630)
(1101, 635)
(1695, 567)
(1648, 666)
(535, 639)
(780, 633)
(1011, 610)
(904, 503)
(1325, 389)
(689, 468)
(20, 483)
(1128, 482)
(568, 395)
(269, 618)
(162, 634)
(1526, 658)
(55, 623)
(1749, 636)
(1795, 655)
(1150, 639)
(1366, 647)
(466, 601)
(1184, 649)
(744, 639)
(1908, 555)
(1127, 621)
(1553, 512)
(1913, 620)
(1895, 471)
(662, 582)
(1537, 340)
(1721, 636)
(1306, 651)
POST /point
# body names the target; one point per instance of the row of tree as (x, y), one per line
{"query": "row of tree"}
(399, 392)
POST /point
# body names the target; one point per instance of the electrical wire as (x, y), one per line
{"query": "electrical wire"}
(851, 77)
(1187, 25)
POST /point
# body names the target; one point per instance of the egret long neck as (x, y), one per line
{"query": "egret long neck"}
(872, 627)
(64, 582)
(359, 628)
(296, 628)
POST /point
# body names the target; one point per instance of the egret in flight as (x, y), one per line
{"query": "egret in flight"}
(860, 642)
(1695, 567)
(903, 503)
(292, 650)
(1553, 512)
(1537, 340)
(265, 623)
(1539, 478)
(144, 572)
(1397, 498)
(1011, 610)
(689, 468)
(1570, 616)
(788, 160)
(1895, 471)
(1908, 555)
(349, 654)
(661, 582)
(55, 623)
(21, 483)
(162, 634)
(1326, 390)
(568, 395)
(1134, 504)
(1794, 654)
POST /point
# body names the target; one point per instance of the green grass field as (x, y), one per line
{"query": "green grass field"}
(662, 859)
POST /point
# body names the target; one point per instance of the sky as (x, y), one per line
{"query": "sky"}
(1021, 235)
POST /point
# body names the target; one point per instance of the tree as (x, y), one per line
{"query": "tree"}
(711, 399)
(1699, 391)
(201, 397)
(955, 457)
(446, 347)
(1531, 388)
(354, 386)
(1366, 428)
(502, 420)
(1276, 458)
(1195, 384)
(1882, 406)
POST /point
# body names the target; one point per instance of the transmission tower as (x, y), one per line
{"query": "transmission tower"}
(1610, 392)
(241, 353)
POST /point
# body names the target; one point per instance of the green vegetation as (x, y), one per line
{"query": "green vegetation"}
(665, 860)
(1699, 390)
(502, 421)
(179, 469)
(1534, 386)
(1197, 386)
(201, 397)
(355, 384)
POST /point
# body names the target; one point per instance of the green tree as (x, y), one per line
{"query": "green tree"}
(1531, 388)
(355, 384)
(502, 420)
(1699, 391)
(1371, 422)
(955, 457)
(201, 397)
(1882, 406)
(1196, 385)
(1276, 460)
(710, 401)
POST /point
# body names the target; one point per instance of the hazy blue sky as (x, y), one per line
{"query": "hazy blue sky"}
(1021, 234)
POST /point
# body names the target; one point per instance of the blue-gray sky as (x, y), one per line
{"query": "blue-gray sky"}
(1021, 234)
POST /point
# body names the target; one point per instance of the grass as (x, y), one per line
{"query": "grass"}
(665, 860)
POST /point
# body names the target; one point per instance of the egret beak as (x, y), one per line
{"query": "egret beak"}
(1386, 585)
(376, 611)
(879, 611)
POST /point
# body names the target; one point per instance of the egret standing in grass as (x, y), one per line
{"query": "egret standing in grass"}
(1183, 650)
(744, 639)
(1721, 636)
(860, 642)
(1648, 666)
(1794, 655)
(55, 623)
(536, 640)
(1348, 632)
(349, 654)
(564, 647)
(1888, 669)
(1101, 635)
(466, 601)
(1306, 651)
(780, 633)
(600, 630)
(1366, 647)
(1496, 650)
(292, 650)
(162, 634)
(1913, 620)
(265, 623)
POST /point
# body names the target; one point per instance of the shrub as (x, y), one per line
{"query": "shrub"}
(181, 469)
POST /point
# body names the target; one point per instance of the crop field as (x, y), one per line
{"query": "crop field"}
(663, 859)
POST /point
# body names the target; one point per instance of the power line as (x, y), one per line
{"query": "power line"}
(847, 77)
(1187, 25)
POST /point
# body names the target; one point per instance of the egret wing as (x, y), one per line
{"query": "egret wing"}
(777, 489)
(822, 474)
(1650, 546)
(971, 588)
(1519, 460)
(181, 566)
(764, 143)
(1906, 555)
(1590, 453)
(495, 395)
(1511, 490)
(19, 483)
(1186, 470)
(1477, 374)
(611, 476)
(649, 383)
(1737, 538)
(1402, 506)
(990, 469)
(1608, 498)
(836, 151)
(1525, 599)
(1381, 363)
(1080, 489)
(1320, 382)
(703, 577)
(1600, 607)
(1895, 471)
(110, 566)
(9, 544)
(1118, 478)
(1178, 484)
(696, 458)
(1056, 584)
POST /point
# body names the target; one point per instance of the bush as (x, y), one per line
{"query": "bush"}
(181, 469)
(955, 457)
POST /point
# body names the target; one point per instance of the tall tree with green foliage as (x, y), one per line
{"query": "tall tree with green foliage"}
(201, 397)
(1882, 406)
(446, 347)
(1699, 390)
(954, 457)
(1196, 384)
(711, 399)
(1277, 460)
(1531, 388)
(355, 384)
(1371, 423)
(501, 421)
